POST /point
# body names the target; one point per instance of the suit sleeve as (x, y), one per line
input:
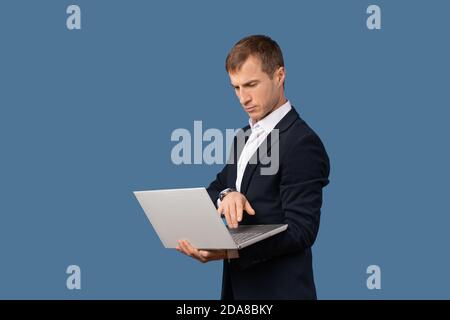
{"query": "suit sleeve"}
(304, 171)
(221, 182)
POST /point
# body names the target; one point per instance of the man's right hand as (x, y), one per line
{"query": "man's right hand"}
(233, 206)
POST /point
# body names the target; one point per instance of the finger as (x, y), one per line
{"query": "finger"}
(194, 252)
(181, 247)
(249, 208)
(205, 254)
(220, 208)
(239, 210)
(188, 247)
(227, 215)
(233, 215)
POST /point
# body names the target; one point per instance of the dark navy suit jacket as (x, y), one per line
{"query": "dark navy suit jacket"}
(279, 267)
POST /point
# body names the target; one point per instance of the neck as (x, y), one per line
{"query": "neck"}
(280, 102)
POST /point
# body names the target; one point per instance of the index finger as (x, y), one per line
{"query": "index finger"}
(188, 248)
(239, 211)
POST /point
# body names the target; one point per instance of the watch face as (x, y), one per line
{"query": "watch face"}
(224, 193)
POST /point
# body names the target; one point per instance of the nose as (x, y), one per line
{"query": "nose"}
(244, 97)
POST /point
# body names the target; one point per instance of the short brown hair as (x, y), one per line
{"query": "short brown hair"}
(261, 46)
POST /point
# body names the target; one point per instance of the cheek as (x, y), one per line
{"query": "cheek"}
(266, 98)
(271, 95)
(261, 95)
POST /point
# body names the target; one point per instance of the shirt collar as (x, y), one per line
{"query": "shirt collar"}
(271, 120)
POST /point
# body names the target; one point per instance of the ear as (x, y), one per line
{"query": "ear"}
(281, 75)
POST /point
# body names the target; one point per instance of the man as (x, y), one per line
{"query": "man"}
(279, 267)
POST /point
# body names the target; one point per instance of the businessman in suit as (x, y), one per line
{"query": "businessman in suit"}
(279, 267)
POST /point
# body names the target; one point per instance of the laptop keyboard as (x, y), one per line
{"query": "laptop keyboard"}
(245, 233)
(241, 237)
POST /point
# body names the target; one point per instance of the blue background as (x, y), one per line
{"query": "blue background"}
(86, 118)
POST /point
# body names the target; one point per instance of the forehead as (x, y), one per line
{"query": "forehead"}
(251, 69)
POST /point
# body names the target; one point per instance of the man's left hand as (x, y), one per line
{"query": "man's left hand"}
(201, 255)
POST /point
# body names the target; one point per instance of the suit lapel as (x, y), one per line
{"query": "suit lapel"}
(240, 142)
(282, 126)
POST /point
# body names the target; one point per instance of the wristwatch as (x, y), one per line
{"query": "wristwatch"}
(223, 193)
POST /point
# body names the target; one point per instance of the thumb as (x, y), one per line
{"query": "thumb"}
(220, 208)
(249, 208)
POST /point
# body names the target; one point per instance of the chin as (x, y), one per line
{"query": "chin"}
(257, 117)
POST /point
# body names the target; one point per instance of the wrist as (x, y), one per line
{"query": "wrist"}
(225, 192)
(232, 254)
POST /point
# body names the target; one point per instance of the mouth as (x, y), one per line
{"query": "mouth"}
(250, 109)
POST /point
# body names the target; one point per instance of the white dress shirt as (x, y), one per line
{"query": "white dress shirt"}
(260, 131)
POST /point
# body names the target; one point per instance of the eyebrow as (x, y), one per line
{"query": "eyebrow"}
(246, 84)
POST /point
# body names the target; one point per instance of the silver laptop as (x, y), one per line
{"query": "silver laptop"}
(190, 214)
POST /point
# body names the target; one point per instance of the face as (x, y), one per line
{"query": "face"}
(257, 92)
